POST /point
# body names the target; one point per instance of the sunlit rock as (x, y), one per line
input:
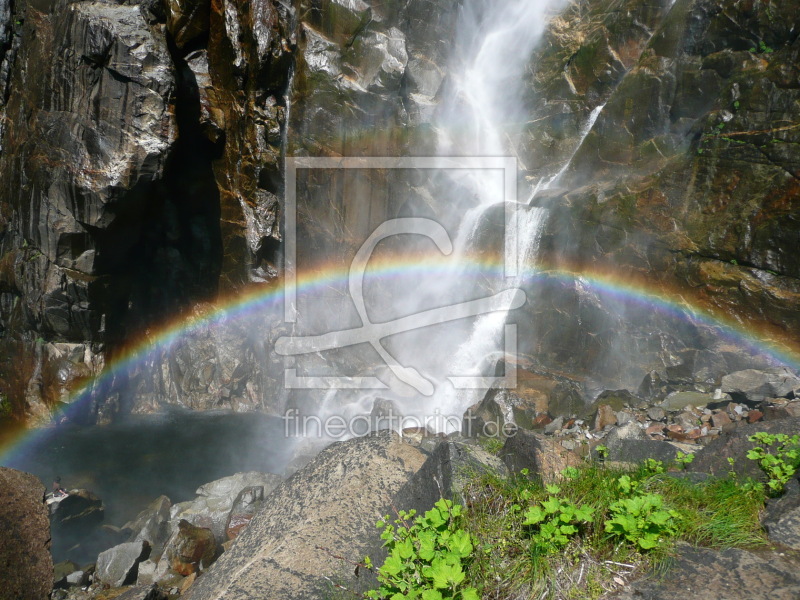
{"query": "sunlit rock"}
(26, 567)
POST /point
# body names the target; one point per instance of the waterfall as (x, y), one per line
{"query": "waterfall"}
(546, 184)
(476, 117)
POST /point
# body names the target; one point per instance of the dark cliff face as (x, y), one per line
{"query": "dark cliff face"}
(141, 149)
(140, 164)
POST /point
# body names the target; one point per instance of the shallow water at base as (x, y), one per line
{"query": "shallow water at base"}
(129, 464)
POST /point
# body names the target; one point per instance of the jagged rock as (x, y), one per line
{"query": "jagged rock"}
(732, 574)
(77, 519)
(635, 452)
(77, 578)
(754, 386)
(605, 417)
(152, 524)
(451, 466)
(118, 566)
(314, 509)
(190, 549)
(249, 501)
(215, 500)
(542, 456)
(26, 568)
(151, 572)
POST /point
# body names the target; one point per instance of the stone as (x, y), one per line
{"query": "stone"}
(212, 507)
(656, 413)
(152, 524)
(656, 428)
(554, 425)
(78, 513)
(720, 419)
(543, 457)
(249, 501)
(652, 386)
(452, 465)
(151, 572)
(754, 415)
(631, 431)
(605, 417)
(617, 399)
(679, 400)
(687, 420)
(190, 549)
(635, 451)
(732, 574)
(26, 567)
(118, 566)
(315, 509)
(61, 570)
(78, 578)
(751, 385)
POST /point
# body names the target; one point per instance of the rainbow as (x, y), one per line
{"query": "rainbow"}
(606, 283)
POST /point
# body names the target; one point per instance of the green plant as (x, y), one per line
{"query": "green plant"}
(493, 445)
(653, 466)
(555, 520)
(427, 556)
(602, 452)
(778, 455)
(641, 519)
(683, 460)
(762, 48)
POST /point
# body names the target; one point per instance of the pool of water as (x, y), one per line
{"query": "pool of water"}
(129, 464)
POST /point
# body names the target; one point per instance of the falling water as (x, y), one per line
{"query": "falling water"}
(483, 105)
(546, 184)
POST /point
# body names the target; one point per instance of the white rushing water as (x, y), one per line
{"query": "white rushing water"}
(478, 116)
(481, 110)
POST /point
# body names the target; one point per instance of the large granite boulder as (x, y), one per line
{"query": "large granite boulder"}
(26, 568)
(316, 524)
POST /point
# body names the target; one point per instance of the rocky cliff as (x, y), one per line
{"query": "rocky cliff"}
(141, 155)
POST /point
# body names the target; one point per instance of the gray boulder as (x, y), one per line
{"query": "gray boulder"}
(152, 524)
(211, 509)
(450, 467)
(732, 574)
(118, 566)
(317, 524)
(752, 385)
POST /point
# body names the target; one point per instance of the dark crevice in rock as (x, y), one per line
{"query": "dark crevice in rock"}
(178, 258)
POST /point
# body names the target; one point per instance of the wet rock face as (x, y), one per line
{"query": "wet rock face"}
(86, 140)
(686, 178)
(140, 162)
